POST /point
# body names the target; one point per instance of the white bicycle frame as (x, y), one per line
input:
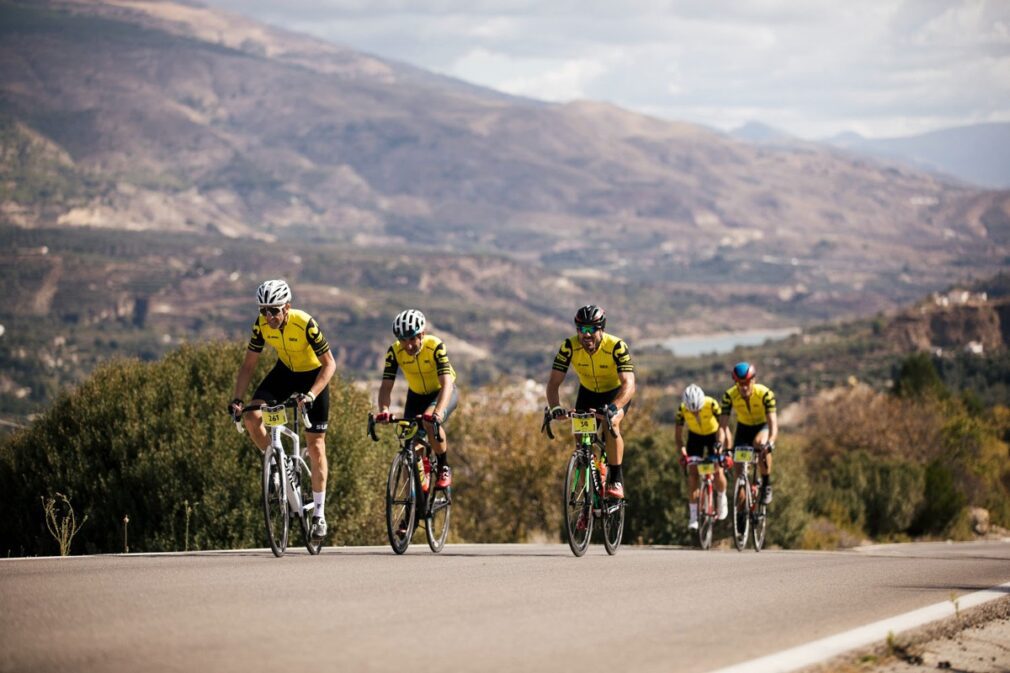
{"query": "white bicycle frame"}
(298, 452)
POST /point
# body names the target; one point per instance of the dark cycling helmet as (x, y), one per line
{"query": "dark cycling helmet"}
(591, 315)
(743, 371)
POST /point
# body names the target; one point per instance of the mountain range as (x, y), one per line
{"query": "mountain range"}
(975, 154)
(173, 118)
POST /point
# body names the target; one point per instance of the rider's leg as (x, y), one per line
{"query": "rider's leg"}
(692, 488)
(720, 492)
(766, 457)
(440, 444)
(615, 452)
(316, 442)
(765, 466)
(253, 422)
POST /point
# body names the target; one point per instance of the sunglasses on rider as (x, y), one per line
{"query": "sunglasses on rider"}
(271, 310)
(588, 329)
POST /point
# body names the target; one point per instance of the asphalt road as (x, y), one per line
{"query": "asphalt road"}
(470, 608)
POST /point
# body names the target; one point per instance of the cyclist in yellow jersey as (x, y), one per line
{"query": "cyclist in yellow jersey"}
(700, 414)
(756, 420)
(431, 384)
(606, 382)
(304, 367)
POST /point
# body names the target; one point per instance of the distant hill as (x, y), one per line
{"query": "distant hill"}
(758, 132)
(978, 154)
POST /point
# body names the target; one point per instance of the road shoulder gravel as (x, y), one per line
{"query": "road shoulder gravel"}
(974, 641)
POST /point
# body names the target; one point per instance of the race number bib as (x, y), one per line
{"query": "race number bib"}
(272, 417)
(583, 426)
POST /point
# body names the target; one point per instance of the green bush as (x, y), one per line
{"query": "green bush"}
(507, 477)
(152, 441)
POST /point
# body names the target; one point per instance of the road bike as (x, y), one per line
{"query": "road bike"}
(287, 479)
(750, 513)
(584, 497)
(706, 496)
(411, 496)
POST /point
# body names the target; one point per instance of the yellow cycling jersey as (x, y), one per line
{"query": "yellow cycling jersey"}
(299, 341)
(597, 371)
(421, 370)
(752, 410)
(706, 422)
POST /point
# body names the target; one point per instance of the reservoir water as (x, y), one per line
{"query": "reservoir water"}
(723, 342)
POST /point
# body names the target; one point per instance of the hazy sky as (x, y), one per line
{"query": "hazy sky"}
(811, 67)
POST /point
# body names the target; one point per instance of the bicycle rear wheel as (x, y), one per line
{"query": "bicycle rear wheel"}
(275, 502)
(304, 480)
(436, 526)
(759, 522)
(741, 511)
(613, 524)
(578, 505)
(706, 516)
(401, 503)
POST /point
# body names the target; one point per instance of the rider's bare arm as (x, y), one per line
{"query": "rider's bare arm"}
(245, 372)
(724, 433)
(554, 388)
(385, 395)
(326, 372)
(773, 426)
(445, 394)
(627, 390)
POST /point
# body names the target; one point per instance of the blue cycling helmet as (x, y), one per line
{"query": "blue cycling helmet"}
(743, 371)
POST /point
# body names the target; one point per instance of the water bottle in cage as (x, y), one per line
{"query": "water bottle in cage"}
(424, 472)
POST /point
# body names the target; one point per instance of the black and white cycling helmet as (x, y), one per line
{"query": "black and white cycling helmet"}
(408, 323)
(693, 398)
(273, 293)
(591, 315)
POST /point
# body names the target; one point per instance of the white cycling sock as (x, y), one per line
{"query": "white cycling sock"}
(319, 498)
(693, 509)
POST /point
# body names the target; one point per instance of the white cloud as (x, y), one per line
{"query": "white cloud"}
(881, 67)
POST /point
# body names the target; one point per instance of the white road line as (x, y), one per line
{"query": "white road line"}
(821, 650)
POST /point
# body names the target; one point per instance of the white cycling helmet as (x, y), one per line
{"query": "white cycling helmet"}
(693, 398)
(408, 323)
(273, 293)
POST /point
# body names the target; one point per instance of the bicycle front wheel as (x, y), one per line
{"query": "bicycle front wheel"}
(706, 516)
(578, 505)
(436, 526)
(401, 503)
(741, 511)
(613, 524)
(275, 501)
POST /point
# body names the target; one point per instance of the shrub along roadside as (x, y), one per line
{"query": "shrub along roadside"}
(152, 441)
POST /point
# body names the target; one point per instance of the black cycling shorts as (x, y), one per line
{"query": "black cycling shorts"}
(700, 445)
(746, 434)
(281, 383)
(587, 399)
(417, 404)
